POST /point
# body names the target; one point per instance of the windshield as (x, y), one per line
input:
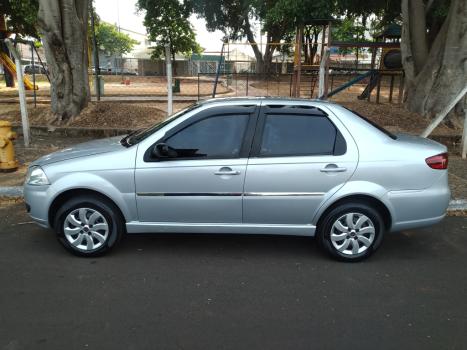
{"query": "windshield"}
(139, 135)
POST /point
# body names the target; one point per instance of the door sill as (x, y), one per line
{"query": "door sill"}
(196, 227)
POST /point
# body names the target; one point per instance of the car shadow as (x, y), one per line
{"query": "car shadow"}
(233, 245)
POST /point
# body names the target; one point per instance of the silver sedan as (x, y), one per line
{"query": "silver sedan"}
(246, 166)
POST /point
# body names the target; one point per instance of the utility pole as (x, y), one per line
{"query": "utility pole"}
(168, 63)
(21, 92)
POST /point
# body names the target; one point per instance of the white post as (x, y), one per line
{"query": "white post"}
(322, 72)
(440, 116)
(464, 135)
(21, 92)
(168, 63)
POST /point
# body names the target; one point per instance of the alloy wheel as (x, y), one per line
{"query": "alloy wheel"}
(352, 234)
(86, 229)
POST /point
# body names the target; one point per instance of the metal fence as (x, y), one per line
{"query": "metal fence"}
(131, 78)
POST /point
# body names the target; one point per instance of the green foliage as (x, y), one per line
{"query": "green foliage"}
(298, 12)
(349, 29)
(21, 16)
(110, 40)
(230, 17)
(167, 22)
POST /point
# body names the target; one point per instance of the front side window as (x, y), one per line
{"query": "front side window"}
(213, 137)
(297, 135)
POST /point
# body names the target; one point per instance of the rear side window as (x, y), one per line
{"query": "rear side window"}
(299, 135)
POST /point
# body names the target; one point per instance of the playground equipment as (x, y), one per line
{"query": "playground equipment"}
(7, 150)
(9, 65)
(316, 64)
(6, 61)
(389, 63)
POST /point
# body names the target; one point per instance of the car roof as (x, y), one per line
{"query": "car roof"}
(265, 99)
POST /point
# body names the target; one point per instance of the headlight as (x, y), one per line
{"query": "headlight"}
(36, 176)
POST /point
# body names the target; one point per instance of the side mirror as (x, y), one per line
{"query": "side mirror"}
(162, 150)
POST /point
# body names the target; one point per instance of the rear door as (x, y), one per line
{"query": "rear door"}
(300, 156)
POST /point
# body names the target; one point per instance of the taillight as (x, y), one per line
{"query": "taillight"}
(440, 161)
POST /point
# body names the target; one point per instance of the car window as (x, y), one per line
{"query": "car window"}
(213, 137)
(288, 135)
(140, 135)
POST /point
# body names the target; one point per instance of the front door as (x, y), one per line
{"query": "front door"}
(202, 180)
(299, 158)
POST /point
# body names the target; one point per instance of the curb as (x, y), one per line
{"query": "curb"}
(73, 131)
(11, 191)
(457, 204)
(17, 192)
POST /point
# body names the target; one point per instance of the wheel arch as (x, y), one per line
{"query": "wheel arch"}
(359, 198)
(63, 197)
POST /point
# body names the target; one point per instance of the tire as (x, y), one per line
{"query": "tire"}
(357, 243)
(89, 225)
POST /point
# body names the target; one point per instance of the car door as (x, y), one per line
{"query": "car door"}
(300, 156)
(202, 179)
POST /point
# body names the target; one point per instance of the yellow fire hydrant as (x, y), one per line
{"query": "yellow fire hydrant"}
(7, 150)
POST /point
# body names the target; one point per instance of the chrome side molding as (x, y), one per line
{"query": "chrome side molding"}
(234, 194)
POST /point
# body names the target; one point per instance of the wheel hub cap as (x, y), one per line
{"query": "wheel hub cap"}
(86, 229)
(352, 233)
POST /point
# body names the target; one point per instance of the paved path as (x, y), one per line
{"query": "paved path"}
(232, 292)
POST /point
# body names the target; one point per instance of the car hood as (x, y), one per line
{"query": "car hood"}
(82, 150)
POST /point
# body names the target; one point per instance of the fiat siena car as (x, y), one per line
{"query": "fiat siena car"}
(246, 166)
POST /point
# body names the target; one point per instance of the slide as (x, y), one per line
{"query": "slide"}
(351, 82)
(10, 66)
(371, 85)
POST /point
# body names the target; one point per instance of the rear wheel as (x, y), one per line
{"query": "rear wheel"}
(351, 231)
(88, 225)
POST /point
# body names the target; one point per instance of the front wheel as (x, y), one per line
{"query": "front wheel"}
(88, 225)
(351, 232)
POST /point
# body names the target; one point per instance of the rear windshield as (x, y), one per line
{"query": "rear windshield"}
(380, 128)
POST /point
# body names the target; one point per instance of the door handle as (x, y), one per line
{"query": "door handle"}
(333, 168)
(226, 171)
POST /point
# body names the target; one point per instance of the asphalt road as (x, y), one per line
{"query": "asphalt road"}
(232, 292)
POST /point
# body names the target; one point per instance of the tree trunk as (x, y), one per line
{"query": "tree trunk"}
(256, 50)
(64, 24)
(433, 79)
(263, 62)
(174, 67)
(9, 78)
(315, 44)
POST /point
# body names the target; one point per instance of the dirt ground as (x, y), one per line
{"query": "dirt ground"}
(41, 145)
(136, 115)
(99, 115)
(137, 86)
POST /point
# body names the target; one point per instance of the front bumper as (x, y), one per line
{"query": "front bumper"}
(36, 200)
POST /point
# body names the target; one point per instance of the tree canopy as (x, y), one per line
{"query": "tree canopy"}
(21, 16)
(167, 22)
(110, 40)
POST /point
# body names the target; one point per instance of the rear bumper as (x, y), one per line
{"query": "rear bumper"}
(419, 208)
